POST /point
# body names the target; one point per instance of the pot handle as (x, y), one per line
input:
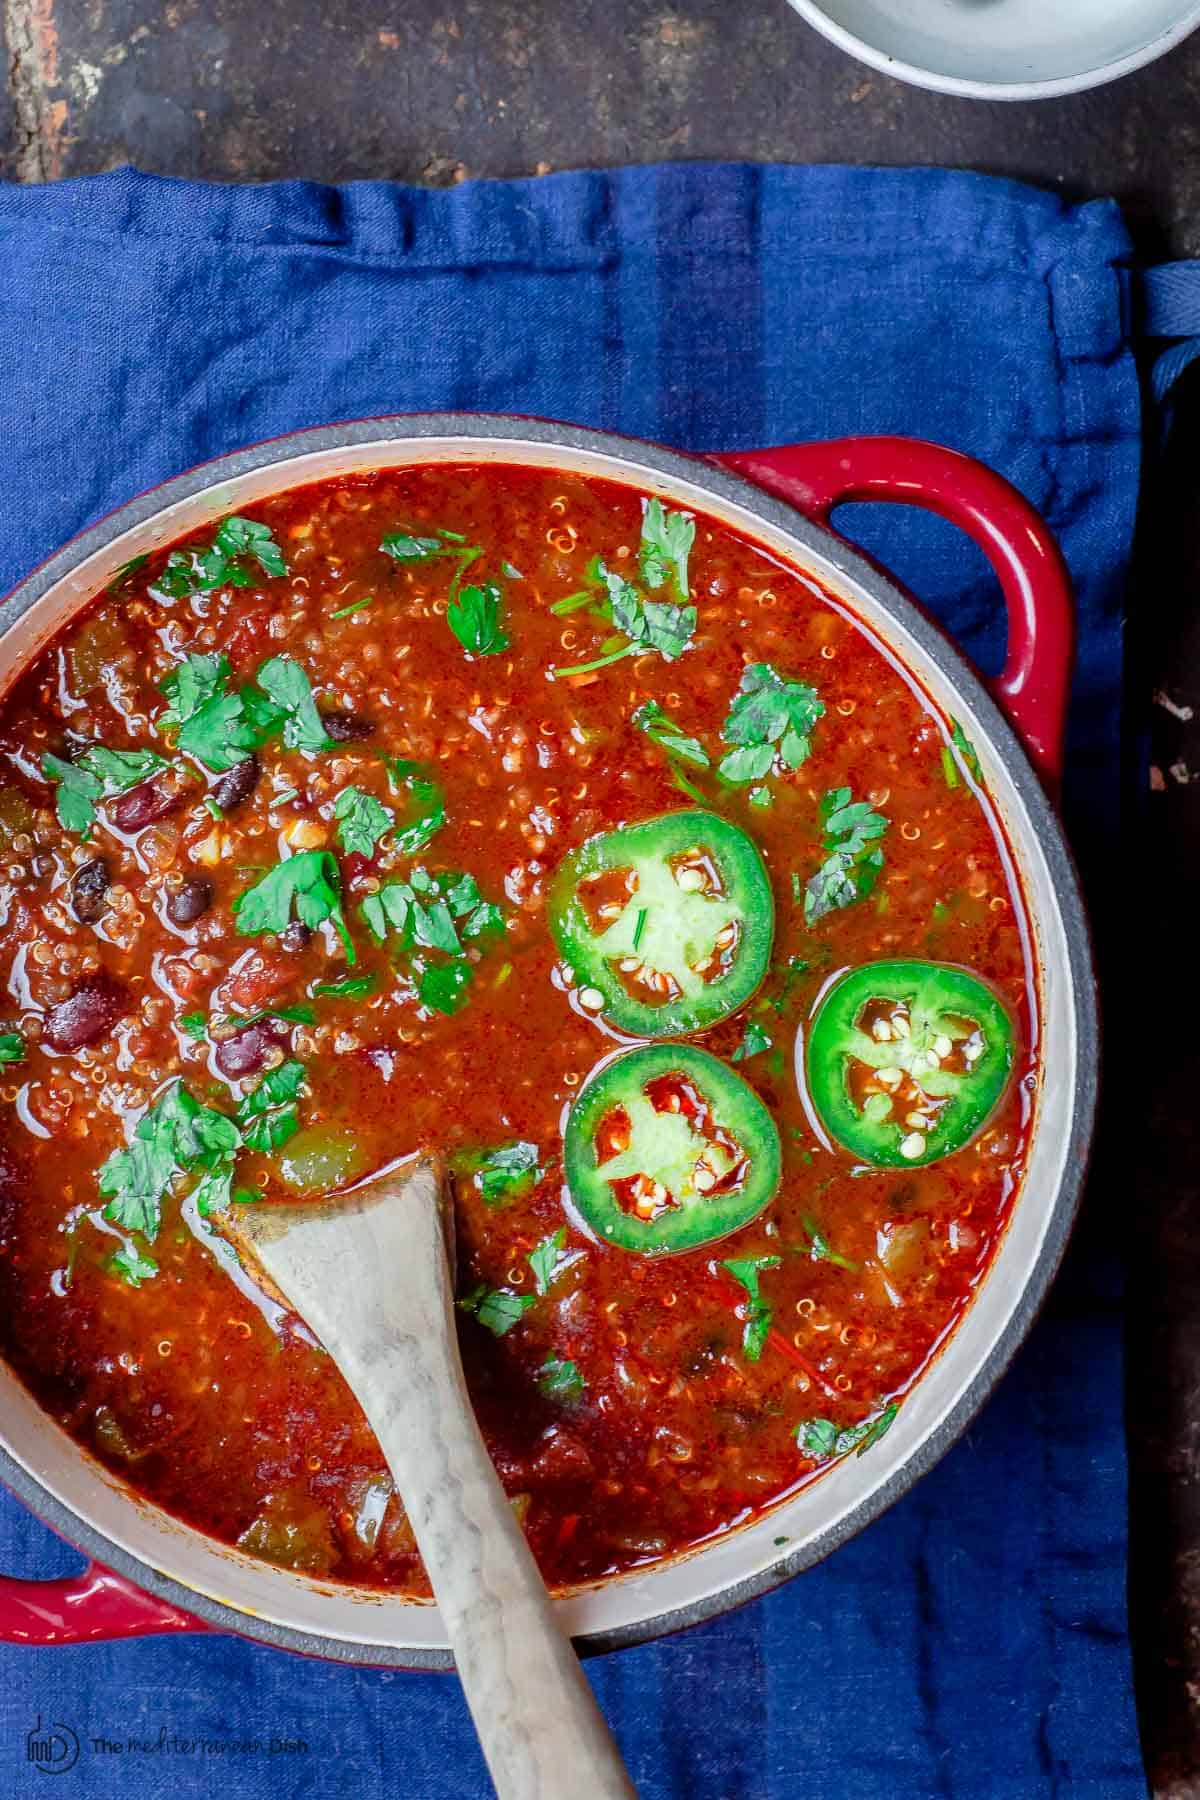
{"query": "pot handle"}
(1034, 684)
(84, 1609)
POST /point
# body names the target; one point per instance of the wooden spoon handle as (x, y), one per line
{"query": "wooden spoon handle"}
(539, 1725)
(542, 1733)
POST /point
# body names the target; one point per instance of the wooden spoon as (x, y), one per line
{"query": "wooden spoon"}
(370, 1272)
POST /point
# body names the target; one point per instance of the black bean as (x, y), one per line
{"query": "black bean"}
(236, 786)
(347, 727)
(185, 904)
(247, 1053)
(295, 936)
(89, 889)
(92, 1010)
(142, 805)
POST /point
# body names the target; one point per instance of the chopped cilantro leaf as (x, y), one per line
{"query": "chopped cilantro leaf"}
(403, 547)
(820, 1250)
(268, 1114)
(560, 1380)
(132, 1265)
(12, 1047)
(474, 618)
(443, 986)
(220, 733)
(660, 727)
(769, 723)
(191, 684)
(237, 541)
(430, 808)
(853, 859)
(757, 1312)
(308, 881)
(246, 537)
(362, 821)
(433, 913)
(497, 1308)
(821, 1438)
(754, 1041)
(642, 624)
(966, 750)
(195, 1024)
(667, 539)
(287, 686)
(78, 792)
(176, 1134)
(350, 987)
(504, 1173)
(81, 784)
(793, 969)
(343, 612)
(549, 1259)
(126, 570)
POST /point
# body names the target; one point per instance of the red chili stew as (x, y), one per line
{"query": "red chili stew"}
(357, 827)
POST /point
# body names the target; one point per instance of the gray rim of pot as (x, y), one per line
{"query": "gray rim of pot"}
(856, 569)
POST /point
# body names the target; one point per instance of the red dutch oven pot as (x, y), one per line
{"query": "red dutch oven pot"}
(150, 1573)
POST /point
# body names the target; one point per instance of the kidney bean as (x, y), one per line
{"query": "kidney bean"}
(237, 784)
(92, 1010)
(294, 937)
(89, 888)
(142, 805)
(247, 1052)
(347, 727)
(186, 904)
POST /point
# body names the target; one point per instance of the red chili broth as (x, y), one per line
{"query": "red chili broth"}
(192, 1387)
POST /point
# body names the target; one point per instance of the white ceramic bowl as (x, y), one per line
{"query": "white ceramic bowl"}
(1004, 49)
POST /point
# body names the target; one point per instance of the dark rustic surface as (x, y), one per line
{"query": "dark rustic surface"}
(438, 90)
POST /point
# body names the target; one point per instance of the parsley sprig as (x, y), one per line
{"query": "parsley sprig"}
(851, 830)
(769, 723)
(237, 543)
(756, 1312)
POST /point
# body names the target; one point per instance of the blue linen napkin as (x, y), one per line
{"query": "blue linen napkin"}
(973, 1641)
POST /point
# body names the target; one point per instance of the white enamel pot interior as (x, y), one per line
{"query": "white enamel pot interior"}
(1004, 49)
(91, 1508)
